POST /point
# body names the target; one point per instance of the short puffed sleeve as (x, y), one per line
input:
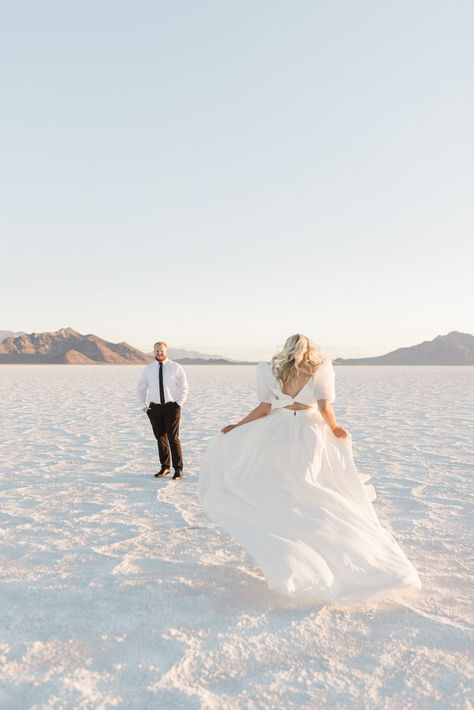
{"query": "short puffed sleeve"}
(325, 382)
(263, 390)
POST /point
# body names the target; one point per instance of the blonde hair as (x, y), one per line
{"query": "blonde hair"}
(299, 354)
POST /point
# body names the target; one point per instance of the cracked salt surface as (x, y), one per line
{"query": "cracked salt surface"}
(117, 591)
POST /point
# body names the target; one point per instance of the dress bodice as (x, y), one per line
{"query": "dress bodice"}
(320, 386)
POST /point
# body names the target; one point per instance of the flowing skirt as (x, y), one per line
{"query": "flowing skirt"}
(289, 492)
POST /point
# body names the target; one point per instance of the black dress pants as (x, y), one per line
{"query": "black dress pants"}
(164, 419)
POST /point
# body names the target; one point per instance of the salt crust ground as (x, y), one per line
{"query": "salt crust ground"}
(117, 591)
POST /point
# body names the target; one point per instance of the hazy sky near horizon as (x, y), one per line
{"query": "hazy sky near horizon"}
(223, 174)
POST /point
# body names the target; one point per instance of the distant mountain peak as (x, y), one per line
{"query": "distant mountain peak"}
(67, 331)
(10, 334)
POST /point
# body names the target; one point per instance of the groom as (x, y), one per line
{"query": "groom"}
(167, 387)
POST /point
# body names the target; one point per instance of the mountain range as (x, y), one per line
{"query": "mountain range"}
(455, 348)
(179, 354)
(69, 347)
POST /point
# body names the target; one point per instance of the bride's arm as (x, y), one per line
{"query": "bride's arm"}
(327, 413)
(260, 411)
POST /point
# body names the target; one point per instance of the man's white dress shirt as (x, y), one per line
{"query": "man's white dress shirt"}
(175, 384)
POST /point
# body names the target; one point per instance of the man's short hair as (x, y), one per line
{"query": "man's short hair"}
(161, 342)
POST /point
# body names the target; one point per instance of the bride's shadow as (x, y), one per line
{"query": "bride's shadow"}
(238, 587)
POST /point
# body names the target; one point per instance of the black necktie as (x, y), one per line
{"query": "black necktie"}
(162, 390)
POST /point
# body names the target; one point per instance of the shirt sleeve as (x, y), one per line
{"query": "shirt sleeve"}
(263, 390)
(325, 382)
(182, 382)
(142, 387)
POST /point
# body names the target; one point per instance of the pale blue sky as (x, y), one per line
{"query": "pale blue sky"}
(223, 174)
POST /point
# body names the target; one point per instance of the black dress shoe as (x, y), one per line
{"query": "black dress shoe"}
(164, 472)
(177, 474)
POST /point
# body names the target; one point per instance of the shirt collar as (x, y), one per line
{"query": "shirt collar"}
(164, 361)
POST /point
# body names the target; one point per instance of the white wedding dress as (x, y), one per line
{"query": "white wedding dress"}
(287, 489)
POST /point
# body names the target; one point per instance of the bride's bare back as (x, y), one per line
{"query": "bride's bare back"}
(293, 387)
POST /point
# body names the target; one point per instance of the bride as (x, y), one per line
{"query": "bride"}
(283, 483)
